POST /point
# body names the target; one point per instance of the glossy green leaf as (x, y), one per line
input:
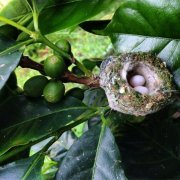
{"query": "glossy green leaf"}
(148, 18)
(150, 149)
(166, 49)
(54, 15)
(64, 14)
(95, 97)
(7, 62)
(25, 121)
(135, 18)
(94, 156)
(59, 149)
(14, 9)
(159, 19)
(96, 27)
(29, 168)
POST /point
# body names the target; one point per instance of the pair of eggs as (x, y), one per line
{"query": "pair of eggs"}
(137, 82)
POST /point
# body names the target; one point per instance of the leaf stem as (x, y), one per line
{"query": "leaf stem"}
(35, 16)
(16, 47)
(16, 25)
(46, 41)
(83, 68)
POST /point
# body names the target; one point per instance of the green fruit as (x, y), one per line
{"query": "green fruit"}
(54, 66)
(34, 86)
(54, 91)
(65, 46)
(76, 92)
(77, 71)
(89, 64)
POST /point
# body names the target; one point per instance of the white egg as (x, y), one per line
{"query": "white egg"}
(141, 89)
(137, 80)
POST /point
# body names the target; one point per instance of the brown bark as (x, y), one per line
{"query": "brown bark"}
(68, 76)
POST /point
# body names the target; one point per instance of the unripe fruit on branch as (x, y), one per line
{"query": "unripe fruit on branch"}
(54, 66)
(136, 83)
(65, 46)
(34, 86)
(54, 91)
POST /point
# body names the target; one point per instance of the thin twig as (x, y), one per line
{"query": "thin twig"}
(68, 76)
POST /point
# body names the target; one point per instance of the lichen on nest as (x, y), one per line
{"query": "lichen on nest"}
(115, 77)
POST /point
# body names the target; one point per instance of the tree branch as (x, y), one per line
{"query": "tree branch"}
(68, 76)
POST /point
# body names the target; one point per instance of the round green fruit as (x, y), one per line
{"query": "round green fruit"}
(76, 92)
(54, 91)
(64, 45)
(54, 66)
(34, 86)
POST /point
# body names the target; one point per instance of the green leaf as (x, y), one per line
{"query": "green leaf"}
(15, 47)
(59, 149)
(94, 156)
(166, 49)
(150, 149)
(14, 9)
(148, 26)
(95, 97)
(25, 121)
(29, 168)
(147, 18)
(55, 15)
(7, 62)
(64, 14)
(97, 27)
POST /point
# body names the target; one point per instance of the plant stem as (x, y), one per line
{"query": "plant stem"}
(67, 76)
(35, 16)
(44, 40)
(16, 25)
(16, 47)
(83, 68)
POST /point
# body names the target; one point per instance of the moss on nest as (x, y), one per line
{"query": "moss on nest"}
(114, 79)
